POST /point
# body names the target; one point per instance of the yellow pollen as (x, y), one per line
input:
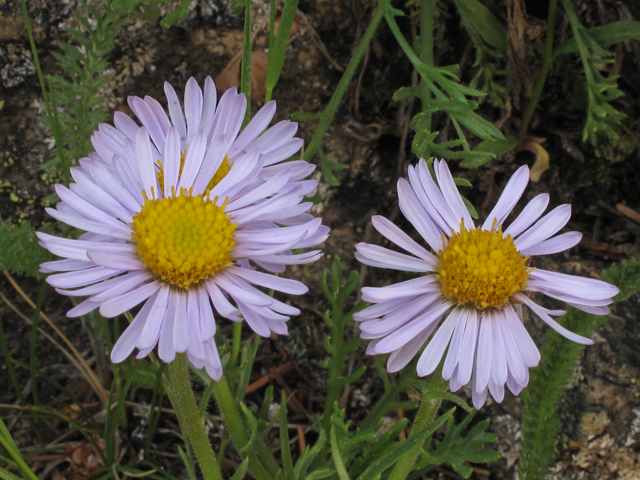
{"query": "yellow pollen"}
(481, 268)
(184, 239)
(222, 171)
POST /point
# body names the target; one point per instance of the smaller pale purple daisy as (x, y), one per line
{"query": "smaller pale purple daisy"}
(474, 286)
(178, 215)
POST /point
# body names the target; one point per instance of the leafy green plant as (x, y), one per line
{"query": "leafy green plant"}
(78, 91)
(540, 421)
(489, 36)
(602, 118)
(450, 96)
(19, 249)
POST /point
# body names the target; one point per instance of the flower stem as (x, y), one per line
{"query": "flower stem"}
(234, 424)
(425, 51)
(186, 404)
(544, 71)
(426, 415)
(336, 364)
(235, 346)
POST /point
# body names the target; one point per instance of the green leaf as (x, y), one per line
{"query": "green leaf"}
(237, 6)
(450, 106)
(277, 54)
(382, 442)
(352, 282)
(143, 372)
(604, 35)
(479, 19)
(478, 125)
(242, 470)
(321, 473)
(6, 475)
(285, 448)
(309, 455)
(498, 147)
(455, 450)
(328, 167)
(336, 275)
(337, 457)
(180, 13)
(603, 120)
(391, 456)
(304, 116)
(462, 182)
(316, 198)
(188, 463)
(472, 210)
(19, 249)
(266, 404)
(253, 430)
(405, 92)
(10, 446)
(625, 276)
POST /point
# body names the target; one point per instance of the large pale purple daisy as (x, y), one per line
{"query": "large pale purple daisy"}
(473, 286)
(178, 215)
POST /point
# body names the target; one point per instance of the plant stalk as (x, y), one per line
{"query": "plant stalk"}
(185, 402)
(234, 424)
(336, 366)
(427, 10)
(544, 71)
(426, 415)
(332, 107)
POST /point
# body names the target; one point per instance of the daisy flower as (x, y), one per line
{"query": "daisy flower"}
(177, 215)
(473, 286)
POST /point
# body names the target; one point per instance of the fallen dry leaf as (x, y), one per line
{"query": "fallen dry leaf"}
(628, 212)
(542, 159)
(230, 76)
(83, 459)
(297, 28)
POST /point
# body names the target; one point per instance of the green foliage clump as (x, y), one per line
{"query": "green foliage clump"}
(78, 91)
(546, 387)
(603, 120)
(489, 36)
(19, 249)
(625, 276)
(85, 63)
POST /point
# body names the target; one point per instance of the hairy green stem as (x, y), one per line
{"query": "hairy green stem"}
(233, 423)
(186, 404)
(544, 71)
(336, 364)
(574, 21)
(427, 10)
(426, 415)
(332, 107)
(387, 400)
(235, 345)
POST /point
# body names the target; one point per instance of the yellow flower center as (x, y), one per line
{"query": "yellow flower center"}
(481, 268)
(223, 169)
(184, 239)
